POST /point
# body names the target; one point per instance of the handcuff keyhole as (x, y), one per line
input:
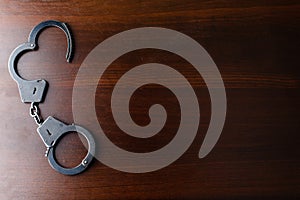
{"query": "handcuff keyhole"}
(49, 133)
(34, 90)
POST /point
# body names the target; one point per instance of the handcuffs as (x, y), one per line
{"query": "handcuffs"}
(51, 129)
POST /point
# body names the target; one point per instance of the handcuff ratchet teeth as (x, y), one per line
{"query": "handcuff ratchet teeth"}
(50, 130)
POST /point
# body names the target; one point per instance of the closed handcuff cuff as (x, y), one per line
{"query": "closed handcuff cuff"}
(51, 129)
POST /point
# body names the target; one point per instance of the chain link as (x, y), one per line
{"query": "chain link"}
(34, 112)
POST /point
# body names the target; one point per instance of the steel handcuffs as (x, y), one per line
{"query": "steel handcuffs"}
(50, 130)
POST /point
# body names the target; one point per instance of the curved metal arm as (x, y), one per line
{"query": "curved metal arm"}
(33, 36)
(33, 91)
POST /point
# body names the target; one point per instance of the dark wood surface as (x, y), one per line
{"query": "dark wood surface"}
(255, 44)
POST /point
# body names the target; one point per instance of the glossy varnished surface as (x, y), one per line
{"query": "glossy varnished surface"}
(255, 45)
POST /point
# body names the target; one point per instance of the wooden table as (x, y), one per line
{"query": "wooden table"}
(255, 45)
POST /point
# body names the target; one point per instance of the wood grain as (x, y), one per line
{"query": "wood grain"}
(255, 45)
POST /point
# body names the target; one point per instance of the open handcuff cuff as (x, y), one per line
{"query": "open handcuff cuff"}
(51, 129)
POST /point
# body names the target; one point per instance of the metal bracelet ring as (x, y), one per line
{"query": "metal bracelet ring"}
(34, 90)
(85, 162)
(51, 131)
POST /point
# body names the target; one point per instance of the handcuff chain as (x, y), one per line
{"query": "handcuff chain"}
(34, 112)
